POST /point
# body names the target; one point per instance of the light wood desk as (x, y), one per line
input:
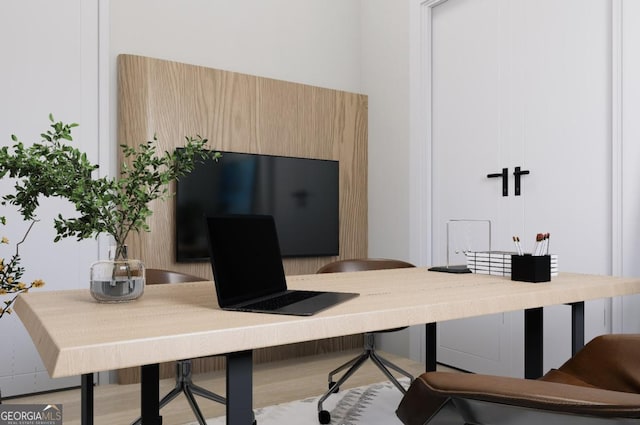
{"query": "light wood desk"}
(75, 335)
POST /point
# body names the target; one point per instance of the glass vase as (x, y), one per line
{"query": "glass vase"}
(116, 280)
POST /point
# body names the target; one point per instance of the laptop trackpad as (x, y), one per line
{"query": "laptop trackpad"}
(315, 304)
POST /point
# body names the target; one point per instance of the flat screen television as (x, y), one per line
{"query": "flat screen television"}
(301, 194)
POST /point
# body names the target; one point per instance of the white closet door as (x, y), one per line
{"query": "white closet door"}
(522, 83)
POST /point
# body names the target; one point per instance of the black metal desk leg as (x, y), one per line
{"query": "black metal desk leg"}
(431, 347)
(150, 394)
(240, 388)
(577, 327)
(533, 345)
(86, 399)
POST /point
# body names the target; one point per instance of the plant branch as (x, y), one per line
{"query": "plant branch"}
(119, 206)
(24, 238)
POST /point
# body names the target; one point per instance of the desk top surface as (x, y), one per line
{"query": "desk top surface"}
(75, 335)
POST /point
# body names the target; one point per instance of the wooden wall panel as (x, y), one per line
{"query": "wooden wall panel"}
(245, 113)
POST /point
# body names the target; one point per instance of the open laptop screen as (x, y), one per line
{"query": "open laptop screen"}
(245, 256)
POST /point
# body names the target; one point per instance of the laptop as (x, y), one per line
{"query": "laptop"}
(248, 271)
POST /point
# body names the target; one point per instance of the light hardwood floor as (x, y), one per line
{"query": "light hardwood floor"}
(274, 383)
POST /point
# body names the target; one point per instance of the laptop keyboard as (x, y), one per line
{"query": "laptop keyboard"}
(281, 301)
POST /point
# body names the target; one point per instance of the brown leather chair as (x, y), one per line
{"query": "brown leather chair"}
(369, 347)
(184, 382)
(599, 385)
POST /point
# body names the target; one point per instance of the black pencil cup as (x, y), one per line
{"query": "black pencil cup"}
(531, 268)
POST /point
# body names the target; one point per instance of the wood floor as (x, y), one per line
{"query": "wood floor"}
(274, 383)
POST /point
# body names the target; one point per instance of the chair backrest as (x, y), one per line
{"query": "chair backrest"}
(363, 264)
(157, 276)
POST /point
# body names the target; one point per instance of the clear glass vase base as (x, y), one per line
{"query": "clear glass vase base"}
(117, 281)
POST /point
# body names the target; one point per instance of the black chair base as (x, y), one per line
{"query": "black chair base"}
(324, 417)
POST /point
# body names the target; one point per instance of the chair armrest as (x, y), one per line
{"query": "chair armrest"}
(531, 393)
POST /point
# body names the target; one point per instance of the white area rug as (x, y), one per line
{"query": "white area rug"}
(369, 405)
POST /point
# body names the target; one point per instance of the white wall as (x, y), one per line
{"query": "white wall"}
(49, 65)
(385, 79)
(314, 42)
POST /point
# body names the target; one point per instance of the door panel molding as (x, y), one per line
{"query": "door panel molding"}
(617, 241)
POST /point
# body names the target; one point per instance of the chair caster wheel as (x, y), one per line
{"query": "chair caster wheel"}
(324, 417)
(332, 385)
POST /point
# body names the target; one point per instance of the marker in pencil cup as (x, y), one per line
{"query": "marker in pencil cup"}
(516, 241)
(542, 244)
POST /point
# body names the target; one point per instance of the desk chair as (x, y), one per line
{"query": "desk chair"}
(369, 346)
(183, 367)
(600, 385)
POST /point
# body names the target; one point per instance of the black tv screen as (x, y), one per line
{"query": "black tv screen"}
(301, 194)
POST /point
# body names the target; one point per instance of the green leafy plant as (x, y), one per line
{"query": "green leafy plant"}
(116, 206)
